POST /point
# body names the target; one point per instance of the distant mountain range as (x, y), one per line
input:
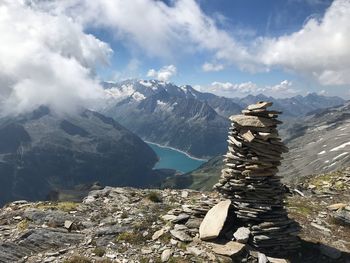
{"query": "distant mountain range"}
(41, 152)
(189, 120)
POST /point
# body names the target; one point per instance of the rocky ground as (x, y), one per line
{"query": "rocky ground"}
(133, 225)
(321, 204)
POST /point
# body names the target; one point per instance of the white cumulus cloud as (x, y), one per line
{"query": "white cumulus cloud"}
(163, 74)
(46, 60)
(320, 49)
(159, 29)
(207, 67)
(245, 87)
(283, 89)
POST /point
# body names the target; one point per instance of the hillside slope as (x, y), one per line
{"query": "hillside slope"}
(323, 144)
(41, 151)
(142, 225)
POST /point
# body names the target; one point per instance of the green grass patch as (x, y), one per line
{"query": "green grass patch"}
(23, 225)
(300, 207)
(331, 179)
(63, 206)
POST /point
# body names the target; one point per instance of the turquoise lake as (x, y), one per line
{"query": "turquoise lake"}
(173, 159)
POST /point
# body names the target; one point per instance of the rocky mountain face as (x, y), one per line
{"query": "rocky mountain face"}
(168, 115)
(142, 225)
(189, 120)
(320, 143)
(41, 152)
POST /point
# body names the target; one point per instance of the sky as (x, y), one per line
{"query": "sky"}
(56, 52)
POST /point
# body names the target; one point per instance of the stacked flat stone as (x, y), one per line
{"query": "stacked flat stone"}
(250, 179)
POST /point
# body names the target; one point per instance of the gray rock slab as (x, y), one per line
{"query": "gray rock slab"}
(253, 121)
(214, 221)
(230, 249)
(242, 235)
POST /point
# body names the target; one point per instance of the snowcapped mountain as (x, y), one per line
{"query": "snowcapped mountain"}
(189, 120)
(168, 114)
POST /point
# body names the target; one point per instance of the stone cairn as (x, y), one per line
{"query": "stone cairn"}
(250, 182)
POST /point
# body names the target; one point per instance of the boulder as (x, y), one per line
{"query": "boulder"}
(242, 235)
(336, 206)
(343, 216)
(230, 249)
(214, 221)
(158, 234)
(166, 255)
(68, 224)
(262, 258)
(181, 235)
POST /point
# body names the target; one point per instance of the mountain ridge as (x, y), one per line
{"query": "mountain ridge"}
(154, 110)
(42, 151)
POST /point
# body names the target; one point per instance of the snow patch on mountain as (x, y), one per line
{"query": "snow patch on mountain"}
(164, 107)
(340, 155)
(161, 103)
(340, 147)
(146, 83)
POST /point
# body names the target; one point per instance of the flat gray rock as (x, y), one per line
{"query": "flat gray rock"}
(214, 221)
(181, 218)
(181, 235)
(230, 249)
(259, 105)
(194, 223)
(166, 255)
(242, 235)
(35, 241)
(252, 121)
(343, 216)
